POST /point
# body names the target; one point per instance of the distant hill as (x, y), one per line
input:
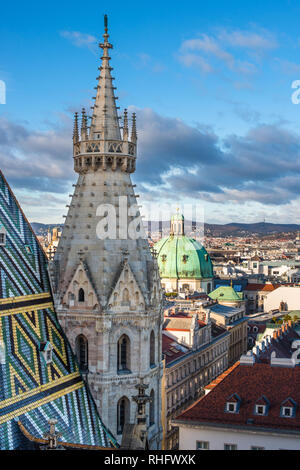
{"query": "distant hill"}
(42, 229)
(232, 229)
(260, 228)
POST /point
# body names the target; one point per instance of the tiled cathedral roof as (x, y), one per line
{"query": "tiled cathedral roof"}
(33, 391)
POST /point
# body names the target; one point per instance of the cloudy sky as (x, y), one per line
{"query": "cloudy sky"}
(211, 83)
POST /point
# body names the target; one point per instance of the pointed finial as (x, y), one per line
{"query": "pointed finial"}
(75, 130)
(82, 122)
(84, 129)
(125, 125)
(105, 45)
(105, 35)
(133, 130)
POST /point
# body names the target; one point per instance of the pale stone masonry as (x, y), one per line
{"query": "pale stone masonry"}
(107, 290)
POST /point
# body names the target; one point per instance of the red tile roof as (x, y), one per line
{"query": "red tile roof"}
(250, 383)
(261, 287)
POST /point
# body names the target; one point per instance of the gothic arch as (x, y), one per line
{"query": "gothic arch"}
(125, 295)
(152, 408)
(81, 295)
(123, 413)
(82, 352)
(124, 354)
(152, 349)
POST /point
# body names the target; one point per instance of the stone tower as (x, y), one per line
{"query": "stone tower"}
(105, 280)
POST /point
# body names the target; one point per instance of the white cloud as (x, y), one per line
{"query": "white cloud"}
(249, 40)
(79, 39)
(231, 48)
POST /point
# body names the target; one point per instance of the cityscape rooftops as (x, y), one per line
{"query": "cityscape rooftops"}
(280, 386)
(172, 350)
(267, 287)
(224, 310)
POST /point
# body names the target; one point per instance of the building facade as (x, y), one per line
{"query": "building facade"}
(229, 312)
(195, 352)
(283, 298)
(255, 407)
(105, 281)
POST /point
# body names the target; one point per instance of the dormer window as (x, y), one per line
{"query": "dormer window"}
(233, 404)
(46, 350)
(288, 408)
(2, 236)
(261, 406)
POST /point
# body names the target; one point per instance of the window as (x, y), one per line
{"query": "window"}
(124, 354)
(257, 448)
(287, 411)
(230, 447)
(288, 408)
(46, 349)
(152, 349)
(81, 348)
(260, 409)
(2, 239)
(123, 413)
(125, 295)
(202, 445)
(81, 295)
(231, 407)
(233, 404)
(152, 408)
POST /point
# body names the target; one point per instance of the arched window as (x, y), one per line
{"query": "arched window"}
(81, 348)
(125, 296)
(152, 349)
(152, 408)
(123, 413)
(124, 353)
(81, 295)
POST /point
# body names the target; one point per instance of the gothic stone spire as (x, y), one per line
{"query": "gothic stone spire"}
(103, 147)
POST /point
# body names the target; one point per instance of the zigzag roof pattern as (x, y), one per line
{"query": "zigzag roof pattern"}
(34, 390)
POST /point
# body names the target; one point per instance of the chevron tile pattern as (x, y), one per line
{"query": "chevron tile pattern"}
(33, 390)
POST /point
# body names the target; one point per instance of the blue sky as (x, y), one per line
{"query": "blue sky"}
(210, 81)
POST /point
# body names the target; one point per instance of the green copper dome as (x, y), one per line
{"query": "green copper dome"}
(182, 258)
(226, 293)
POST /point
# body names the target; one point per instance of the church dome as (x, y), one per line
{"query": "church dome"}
(182, 257)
